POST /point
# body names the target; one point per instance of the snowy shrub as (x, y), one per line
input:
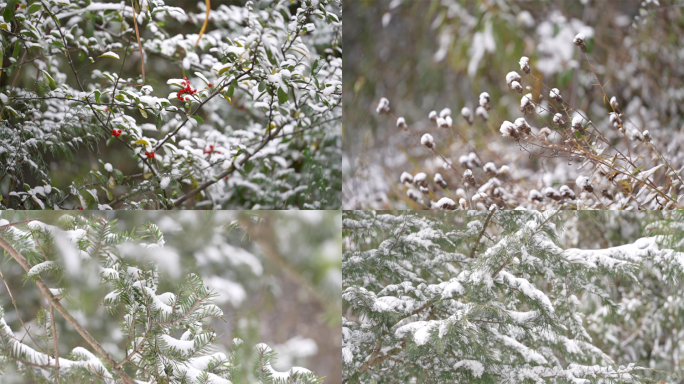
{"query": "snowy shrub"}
(559, 97)
(493, 297)
(245, 113)
(167, 338)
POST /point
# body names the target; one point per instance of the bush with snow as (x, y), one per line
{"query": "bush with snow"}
(493, 297)
(239, 110)
(167, 338)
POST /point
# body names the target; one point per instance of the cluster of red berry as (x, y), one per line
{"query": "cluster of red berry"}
(150, 155)
(210, 149)
(188, 89)
(116, 132)
(17, 7)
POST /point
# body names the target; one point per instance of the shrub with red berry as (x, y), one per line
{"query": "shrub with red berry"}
(260, 101)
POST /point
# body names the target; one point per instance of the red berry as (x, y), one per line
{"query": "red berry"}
(116, 132)
(149, 154)
(80, 208)
(107, 110)
(187, 99)
(210, 85)
(226, 177)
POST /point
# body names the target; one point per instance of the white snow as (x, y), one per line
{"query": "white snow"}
(38, 268)
(474, 366)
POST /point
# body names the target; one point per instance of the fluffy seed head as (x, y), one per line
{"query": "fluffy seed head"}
(484, 100)
(490, 169)
(508, 129)
(552, 193)
(614, 103)
(535, 196)
(401, 123)
(555, 94)
(526, 104)
(584, 184)
(420, 179)
(567, 193)
(482, 112)
(445, 112)
(448, 122)
(383, 106)
(579, 39)
(512, 76)
(413, 194)
(577, 123)
(647, 136)
(544, 132)
(406, 178)
(525, 64)
(465, 112)
(439, 180)
(516, 86)
(433, 116)
(446, 203)
(558, 119)
(521, 125)
(427, 140)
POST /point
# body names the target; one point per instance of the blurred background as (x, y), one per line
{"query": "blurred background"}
(430, 55)
(278, 275)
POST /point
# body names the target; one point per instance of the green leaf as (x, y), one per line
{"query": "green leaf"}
(282, 96)
(198, 119)
(119, 176)
(35, 7)
(314, 66)
(9, 10)
(230, 91)
(50, 80)
(109, 54)
(262, 86)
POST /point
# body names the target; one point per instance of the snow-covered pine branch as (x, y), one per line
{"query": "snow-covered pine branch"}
(490, 297)
(96, 253)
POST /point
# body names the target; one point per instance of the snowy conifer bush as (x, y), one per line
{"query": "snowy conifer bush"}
(167, 339)
(492, 297)
(240, 110)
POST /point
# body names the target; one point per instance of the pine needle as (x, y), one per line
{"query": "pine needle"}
(204, 26)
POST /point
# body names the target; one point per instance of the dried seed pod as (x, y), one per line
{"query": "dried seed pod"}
(613, 103)
(577, 123)
(424, 190)
(555, 94)
(473, 160)
(535, 196)
(584, 184)
(525, 64)
(522, 126)
(647, 136)
(579, 41)
(558, 119)
(516, 87)
(468, 177)
(508, 130)
(439, 180)
(614, 119)
(413, 194)
(460, 193)
(511, 77)
(465, 112)
(545, 132)
(433, 116)
(567, 193)
(482, 112)
(484, 100)
(445, 112)
(427, 140)
(552, 193)
(526, 104)
(383, 106)
(479, 196)
(448, 122)
(446, 204)
(420, 179)
(462, 203)
(490, 169)
(401, 123)
(406, 178)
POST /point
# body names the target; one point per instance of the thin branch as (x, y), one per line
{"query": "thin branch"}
(54, 302)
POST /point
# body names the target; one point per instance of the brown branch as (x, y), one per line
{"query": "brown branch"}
(54, 337)
(484, 228)
(54, 302)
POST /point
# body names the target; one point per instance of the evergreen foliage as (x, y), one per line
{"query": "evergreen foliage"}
(493, 297)
(167, 336)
